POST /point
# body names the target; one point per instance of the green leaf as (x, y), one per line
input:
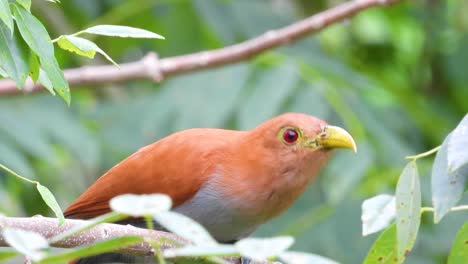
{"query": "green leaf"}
(457, 153)
(121, 31)
(384, 249)
(378, 213)
(3, 73)
(408, 208)
(49, 199)
(6, 254)
(202, 251)
(447, 187)
(56, 77)
(25, 3)
(28, 243)
(185, 227)
(36, 36)
(140, 205)
(261, 249)
(45, 81)
(93, 249)
(82, 47)
(106, 218)
(11, 58)
(459, 252)
(34, 68)
(292, 257)
(6, 15)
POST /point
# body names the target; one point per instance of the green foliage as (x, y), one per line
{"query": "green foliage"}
(447, 187)
(40, 63)
(394, 76)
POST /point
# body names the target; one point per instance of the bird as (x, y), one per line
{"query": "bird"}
(229, 181)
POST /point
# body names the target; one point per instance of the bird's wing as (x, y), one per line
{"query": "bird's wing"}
(177, 165)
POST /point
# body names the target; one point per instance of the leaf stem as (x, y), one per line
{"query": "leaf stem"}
(453, 209)
(5, 168)
(424, 154)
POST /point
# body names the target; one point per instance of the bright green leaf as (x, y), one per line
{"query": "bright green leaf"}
(263, 248)
(49, 199)
(25, 3)
(457, 153)
(384, 249)
(185, 227)
(121, 31)
(140, 205)
(292, 257)
(28, 243)
(447, 187)
(201, 251)
(377, 213)
(6, 254)
(6, 15)
(408, 208)
(459, 251)
(93, 249)
(82, 47)
(34, 67)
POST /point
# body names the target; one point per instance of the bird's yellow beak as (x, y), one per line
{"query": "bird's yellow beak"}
(335, 137)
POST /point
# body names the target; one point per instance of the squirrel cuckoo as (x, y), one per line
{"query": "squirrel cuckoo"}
(229, 181)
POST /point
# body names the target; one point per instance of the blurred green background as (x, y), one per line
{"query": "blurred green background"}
(395, 77)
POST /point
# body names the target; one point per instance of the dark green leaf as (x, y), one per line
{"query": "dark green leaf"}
(459, 251)
(121, 31)
(457, 153)
(28, 243)
(37, 37)
(263, 248)
(11, 58)
(447, 187)
(6, 16)
(93, 249)
(49, 199)
(408, 209)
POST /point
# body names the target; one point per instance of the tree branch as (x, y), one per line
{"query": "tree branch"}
(152, 68)
(48, 227)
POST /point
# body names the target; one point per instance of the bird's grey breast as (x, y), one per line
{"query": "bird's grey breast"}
(217, 214)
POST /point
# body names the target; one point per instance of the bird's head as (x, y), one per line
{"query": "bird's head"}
(301, 133)
(283, 155)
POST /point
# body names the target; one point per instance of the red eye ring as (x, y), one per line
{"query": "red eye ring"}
(290, 135)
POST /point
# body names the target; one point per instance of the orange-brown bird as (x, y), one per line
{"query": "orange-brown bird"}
(229, 181)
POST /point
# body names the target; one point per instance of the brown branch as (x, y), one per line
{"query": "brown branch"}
(48, 227)
(150, 68)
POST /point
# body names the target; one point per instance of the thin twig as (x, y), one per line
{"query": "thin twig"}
(152, 68)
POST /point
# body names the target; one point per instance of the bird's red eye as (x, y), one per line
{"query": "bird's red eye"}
(290, 135)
